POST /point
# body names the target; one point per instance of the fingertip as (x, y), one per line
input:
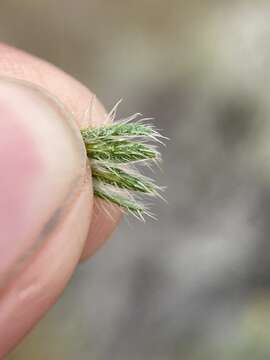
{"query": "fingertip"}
(42, 161)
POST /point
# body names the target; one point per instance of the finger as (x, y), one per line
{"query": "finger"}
(43, 197)
(45, 273)
(77, 99)
(42, 162)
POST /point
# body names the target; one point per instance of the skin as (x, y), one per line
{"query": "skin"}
(27, 295)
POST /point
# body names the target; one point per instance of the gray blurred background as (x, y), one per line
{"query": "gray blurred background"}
(194, 285)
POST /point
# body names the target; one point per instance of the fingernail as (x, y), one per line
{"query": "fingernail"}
(42, 164)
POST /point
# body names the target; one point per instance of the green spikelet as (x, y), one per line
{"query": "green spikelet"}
(120, 151)
(117, 130)
(125, 203)
(123, 179)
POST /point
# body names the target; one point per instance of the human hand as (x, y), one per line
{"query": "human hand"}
(49, 220)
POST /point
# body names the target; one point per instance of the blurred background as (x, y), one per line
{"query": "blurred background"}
(194, 285)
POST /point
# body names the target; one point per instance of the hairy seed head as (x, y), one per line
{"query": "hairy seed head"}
(124, 142)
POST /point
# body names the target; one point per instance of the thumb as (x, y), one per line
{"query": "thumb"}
(45, 205)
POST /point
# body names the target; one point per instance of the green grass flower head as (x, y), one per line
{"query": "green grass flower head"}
(114, 150)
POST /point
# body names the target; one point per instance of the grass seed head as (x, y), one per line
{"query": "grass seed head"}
(113, 150)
